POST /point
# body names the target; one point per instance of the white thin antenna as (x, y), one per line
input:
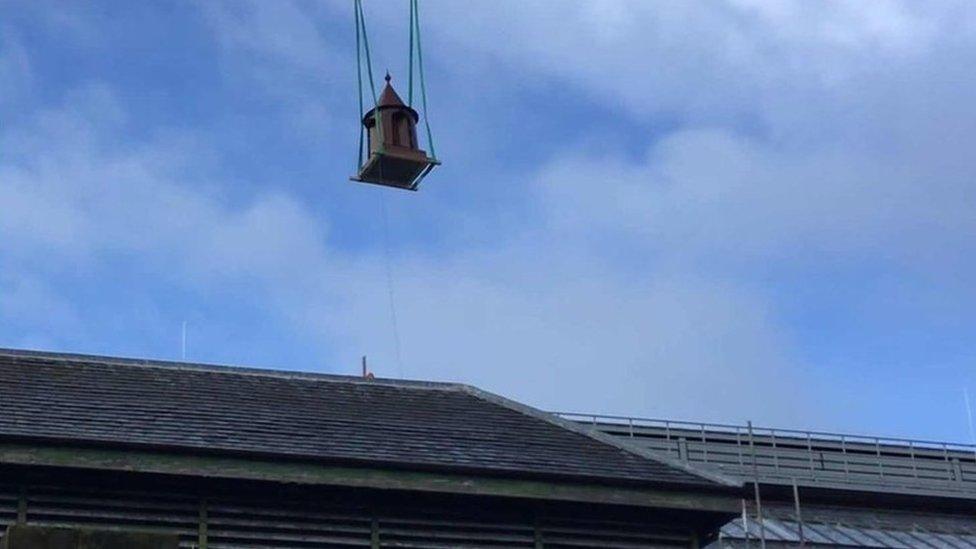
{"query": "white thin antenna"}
(969, 415)
(183, 345)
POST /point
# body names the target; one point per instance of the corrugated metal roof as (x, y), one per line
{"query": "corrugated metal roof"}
(778, 530)
(852, 527)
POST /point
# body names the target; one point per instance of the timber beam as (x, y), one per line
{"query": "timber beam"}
(213, 467)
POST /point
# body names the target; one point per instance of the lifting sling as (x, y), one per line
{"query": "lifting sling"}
(392, 158)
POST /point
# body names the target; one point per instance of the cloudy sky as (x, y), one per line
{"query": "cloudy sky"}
(693, 210)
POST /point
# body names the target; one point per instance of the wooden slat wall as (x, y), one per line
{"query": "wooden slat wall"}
(56, 506)
(444, 529)
(575, 533)
(242, 524)
(8, 507)
(282, 523)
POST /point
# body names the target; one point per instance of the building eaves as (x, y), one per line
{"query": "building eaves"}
(702, 472)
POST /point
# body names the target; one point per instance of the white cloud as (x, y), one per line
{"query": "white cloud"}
(854, 163)
(582, 336)
(554, 328)
(72, 190)
(285, 53)
(270, 33)
(886, 25)
(704, 62)
(707, 193)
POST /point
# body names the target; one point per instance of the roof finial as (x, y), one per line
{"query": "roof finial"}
(388, 77)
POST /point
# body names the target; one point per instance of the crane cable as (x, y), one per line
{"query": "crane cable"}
(390, 288)
(362, 47)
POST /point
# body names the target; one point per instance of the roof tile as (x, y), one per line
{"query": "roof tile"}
(319, 417)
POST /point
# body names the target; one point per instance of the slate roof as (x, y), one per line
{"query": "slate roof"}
(333, 419)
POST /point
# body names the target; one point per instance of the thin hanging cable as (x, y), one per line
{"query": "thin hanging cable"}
(420, 68)
(390, 288)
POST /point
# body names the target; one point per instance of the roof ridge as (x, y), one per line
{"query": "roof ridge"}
(221, 369)
(600, 437)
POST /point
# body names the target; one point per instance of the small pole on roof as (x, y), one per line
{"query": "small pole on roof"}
(969, 416)
(183, 343)
(799, 514)
(755, 485)
(366, 373)
(745, 523)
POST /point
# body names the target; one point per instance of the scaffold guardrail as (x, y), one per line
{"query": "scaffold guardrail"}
(809, 458)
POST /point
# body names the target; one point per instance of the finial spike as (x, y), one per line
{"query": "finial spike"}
(388, 77)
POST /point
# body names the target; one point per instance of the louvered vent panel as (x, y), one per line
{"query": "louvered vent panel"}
(442, 531)
(232, 525)
(8, 507)
(608, 535)
(107, 510)
(293, 523)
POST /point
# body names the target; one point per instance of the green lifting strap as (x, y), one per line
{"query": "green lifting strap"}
(359, 79)
(362, 46)
(415, 43)
(410, 72)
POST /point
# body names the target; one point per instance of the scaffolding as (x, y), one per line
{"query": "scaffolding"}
(808, 458)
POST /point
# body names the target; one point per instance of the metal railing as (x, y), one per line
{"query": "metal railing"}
(810, 458)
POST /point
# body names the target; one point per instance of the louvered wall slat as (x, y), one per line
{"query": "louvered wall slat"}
(443, 529)
(108, 510)
(237, 525)
(576, 533)
(246, 522)
(8, 506)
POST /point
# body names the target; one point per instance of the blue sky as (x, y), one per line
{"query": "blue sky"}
(692, 210)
